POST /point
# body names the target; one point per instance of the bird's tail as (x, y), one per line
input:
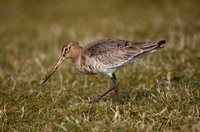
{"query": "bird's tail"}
(160, 44)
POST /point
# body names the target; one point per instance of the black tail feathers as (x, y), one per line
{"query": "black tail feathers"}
(161, 42)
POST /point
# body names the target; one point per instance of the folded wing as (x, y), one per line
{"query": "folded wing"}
(115, 53)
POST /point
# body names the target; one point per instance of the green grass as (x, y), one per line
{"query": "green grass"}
(161, 92)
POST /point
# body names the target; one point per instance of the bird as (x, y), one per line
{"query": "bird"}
(105, 56)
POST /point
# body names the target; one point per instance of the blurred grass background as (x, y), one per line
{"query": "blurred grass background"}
(158, 93)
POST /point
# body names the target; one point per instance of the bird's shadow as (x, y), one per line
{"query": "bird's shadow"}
(127, 95)
(131, 94)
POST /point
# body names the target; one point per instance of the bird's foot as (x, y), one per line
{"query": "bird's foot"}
(93, 101)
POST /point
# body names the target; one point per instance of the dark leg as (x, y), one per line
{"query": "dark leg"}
(115, 88)
(116, 84)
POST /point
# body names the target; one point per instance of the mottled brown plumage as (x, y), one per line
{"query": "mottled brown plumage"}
(105, 57)
(116, 52)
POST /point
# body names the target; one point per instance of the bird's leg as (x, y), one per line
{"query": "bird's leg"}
(116, 84)
(115, 88)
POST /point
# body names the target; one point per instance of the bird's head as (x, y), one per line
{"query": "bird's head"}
(69, 50)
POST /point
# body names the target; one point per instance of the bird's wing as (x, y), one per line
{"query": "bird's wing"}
(114, 52)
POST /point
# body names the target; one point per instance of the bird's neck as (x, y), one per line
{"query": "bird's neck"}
(76, 57)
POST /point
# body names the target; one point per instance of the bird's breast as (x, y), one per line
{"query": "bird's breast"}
(93, 65)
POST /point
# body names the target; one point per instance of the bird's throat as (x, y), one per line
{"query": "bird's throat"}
(76, 56)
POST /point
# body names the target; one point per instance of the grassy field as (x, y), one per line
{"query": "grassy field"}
(161, 92)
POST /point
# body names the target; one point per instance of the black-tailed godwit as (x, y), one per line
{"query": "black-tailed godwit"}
(105, 56)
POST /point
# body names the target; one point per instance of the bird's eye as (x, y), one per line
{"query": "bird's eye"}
(66, 49)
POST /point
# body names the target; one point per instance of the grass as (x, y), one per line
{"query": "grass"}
(161, 92)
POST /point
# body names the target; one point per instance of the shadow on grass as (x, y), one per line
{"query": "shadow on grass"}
(127, 95)
(131, 94)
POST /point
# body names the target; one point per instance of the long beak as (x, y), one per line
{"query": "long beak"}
(62, 59)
